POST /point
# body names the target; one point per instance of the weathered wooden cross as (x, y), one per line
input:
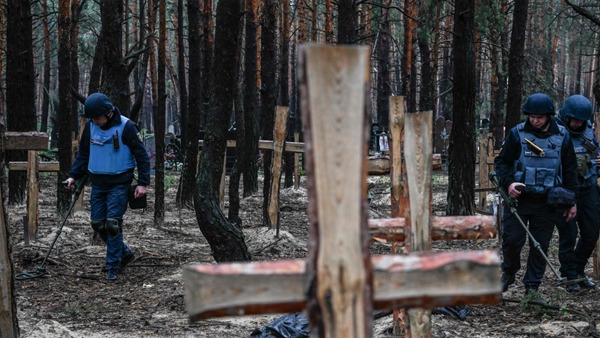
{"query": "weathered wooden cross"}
(340, 283)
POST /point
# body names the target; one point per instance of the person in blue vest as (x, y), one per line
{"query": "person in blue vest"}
(109, 150)
(575, 115)
(528, 172)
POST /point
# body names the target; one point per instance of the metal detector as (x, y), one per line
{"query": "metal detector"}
(512, 204)
(41, 270)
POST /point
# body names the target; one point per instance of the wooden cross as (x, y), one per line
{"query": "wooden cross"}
(340, 283)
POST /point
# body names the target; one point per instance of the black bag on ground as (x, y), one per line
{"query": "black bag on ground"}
(136, 203)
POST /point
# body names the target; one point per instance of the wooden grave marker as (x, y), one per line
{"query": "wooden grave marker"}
(340, 284)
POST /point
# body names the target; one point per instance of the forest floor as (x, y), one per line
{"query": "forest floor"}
(74, 300)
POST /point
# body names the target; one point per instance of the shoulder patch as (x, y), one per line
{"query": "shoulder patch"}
(140, 137)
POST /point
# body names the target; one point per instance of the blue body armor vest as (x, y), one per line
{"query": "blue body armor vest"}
(108, 154)
(586, 167)
(539, 172)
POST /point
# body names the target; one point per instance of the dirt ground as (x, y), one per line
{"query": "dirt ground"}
(74, 300)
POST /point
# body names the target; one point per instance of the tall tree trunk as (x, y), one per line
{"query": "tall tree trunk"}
(409, 56)
(347, 18)
(498, 64)
(183, 94)
(65, 98)
(250, 93)
(425, 30)
(75, 14)
(20, 86)
(114, 71)
(190, 146)
(384, 89)
(226, 240)
(284, 63)
(461, 160)
(268, 97)
(140, 74)
(516, 65)
(207, 57)
(47, 59)
(159, 117)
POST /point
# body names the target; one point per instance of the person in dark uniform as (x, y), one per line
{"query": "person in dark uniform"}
(536, 156)
(575, 115)
(109, 150)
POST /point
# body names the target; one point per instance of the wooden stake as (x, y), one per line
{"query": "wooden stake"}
(281, 115)
(33, 189)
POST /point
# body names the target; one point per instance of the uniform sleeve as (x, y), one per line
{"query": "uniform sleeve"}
(504, 163)
(569, 164)
(79, 167)
(132, 139)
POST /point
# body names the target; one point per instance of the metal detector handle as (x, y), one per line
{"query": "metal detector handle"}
(509, 200)
(79, 184)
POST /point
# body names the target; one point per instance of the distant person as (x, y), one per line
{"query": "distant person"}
(575, 115)
(109, 150)
(528, 172)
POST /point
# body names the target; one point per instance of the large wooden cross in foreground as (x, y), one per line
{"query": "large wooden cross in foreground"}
(340, 284)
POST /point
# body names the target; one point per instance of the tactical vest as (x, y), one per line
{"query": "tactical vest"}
(108, 154)
(586, 151)
(540, 171)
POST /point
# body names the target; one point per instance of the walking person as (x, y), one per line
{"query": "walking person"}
(109, 150)
(575, 116)
(536, 156)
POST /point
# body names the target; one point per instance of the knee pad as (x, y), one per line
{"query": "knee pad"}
(113, 226)
(99, 226)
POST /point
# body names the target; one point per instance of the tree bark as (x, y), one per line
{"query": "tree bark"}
(347, 18)
(285, 88)
(516, 64)
(384, 89)
(250, 93)
(190, 145)
(461, 161)
(47, 59)
(159, 118)
(64, 107)
(20, 86)
(268, 97)
(226, 241)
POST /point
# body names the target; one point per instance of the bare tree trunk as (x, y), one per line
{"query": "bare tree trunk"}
(250, 93)
(20, 86)
(65, 98)
(47, 59)
(284, 62)
(159, 118)
(226, 241)
(347, 18)
(515, 64)
(384, 89)
(207, 57)
(461, 161)
(409, 56)
(190, 146)
(268, 59)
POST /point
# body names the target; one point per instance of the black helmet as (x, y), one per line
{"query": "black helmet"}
(97, 104)
(576, 107)
(538, 104)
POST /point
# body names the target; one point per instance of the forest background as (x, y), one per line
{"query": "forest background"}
(197, 66)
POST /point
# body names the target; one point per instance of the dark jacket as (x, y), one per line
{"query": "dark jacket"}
(511, 151)
(129, 138)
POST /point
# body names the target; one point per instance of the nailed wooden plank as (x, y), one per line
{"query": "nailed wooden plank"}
(42, 166)
(442, 228)
(25, 140)
(291, 147)
(334, 82)
(33, 188)
(425, 280)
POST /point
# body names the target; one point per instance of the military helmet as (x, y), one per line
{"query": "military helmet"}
(538, 104)
(97, 104)
(577, 107)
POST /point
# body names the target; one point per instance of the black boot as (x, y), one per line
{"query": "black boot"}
(507, 279)
(586, 283)
(532, 295)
